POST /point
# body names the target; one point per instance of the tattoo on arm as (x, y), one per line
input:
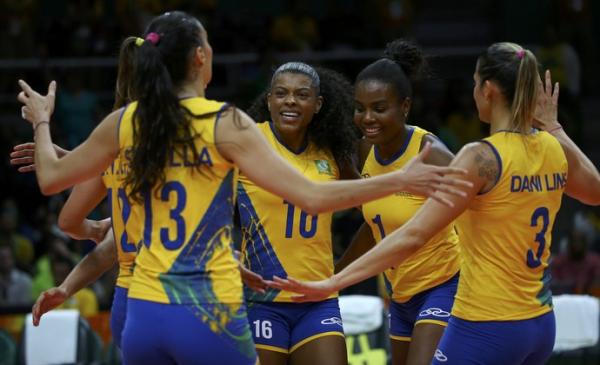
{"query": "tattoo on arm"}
(487, 166)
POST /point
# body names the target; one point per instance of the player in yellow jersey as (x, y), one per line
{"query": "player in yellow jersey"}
(422, 288)
(306, 116)
(181, 152)
(503, 308)
(72, 220)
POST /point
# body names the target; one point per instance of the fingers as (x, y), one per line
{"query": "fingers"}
(301, 298)
(447, 170)
(52, 89)
(442, 200)
(26, 88)
(24, 146)
(22, 97)
(29, 168)
(548, 83)
(555, 94)
(22, 161)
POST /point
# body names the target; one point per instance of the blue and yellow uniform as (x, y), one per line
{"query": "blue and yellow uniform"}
(422, 288)
(185, 299)
(280, 239)
(126, 248)
(503, 308)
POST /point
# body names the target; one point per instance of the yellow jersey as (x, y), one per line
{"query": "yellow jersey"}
(120, 211)
(505, 234)
(279, 238)
(435, 262)
(185, 254)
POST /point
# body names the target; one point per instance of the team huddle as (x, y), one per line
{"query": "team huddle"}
(463, 241)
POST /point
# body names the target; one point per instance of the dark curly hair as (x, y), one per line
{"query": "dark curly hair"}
(161, 123)
(333, 127)
(402, 64)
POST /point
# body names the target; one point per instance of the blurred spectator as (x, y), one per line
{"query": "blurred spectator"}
(76, 108)
(577, 271)
(85, 300)
(21, 245)
(44, 276)
(295, 30)
(15, 285)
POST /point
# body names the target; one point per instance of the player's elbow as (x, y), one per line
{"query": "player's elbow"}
(414, 238)
(66, 224)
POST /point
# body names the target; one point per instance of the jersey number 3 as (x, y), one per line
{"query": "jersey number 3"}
(534, 260)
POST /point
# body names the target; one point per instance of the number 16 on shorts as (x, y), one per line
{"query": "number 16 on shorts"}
(262, 329)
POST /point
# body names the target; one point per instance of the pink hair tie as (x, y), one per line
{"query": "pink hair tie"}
(153, 38)
(520, 53)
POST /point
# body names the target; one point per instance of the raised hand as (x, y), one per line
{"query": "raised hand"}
(546, 110)
(425, 180)
(23, 154)
(36, 108)
(47, 301)
(309, 291)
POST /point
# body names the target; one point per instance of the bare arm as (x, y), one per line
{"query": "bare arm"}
(583, 179)
(86, 161)
(476, 158)
(82, 200)
(88, 270)
(248, 148)
(363, 240)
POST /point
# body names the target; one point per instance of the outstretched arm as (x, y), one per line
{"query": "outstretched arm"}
(88, 270)
(243, 143)
(89, 159)
(403, 242)
(583, 179)
(82, 200)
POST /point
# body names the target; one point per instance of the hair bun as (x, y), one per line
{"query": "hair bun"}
(408, 56)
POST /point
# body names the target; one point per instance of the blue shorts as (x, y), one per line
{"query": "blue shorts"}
(118, 314)
(527, 342)
(431, 306)
(284, 327)
(163, 334)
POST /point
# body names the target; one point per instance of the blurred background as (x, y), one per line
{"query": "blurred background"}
(76, 43)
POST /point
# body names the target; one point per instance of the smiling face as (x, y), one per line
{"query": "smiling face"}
(293, 101)
(379, 113)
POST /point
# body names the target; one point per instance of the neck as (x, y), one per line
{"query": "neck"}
(389, 148)
(500, 120)
(294, 140)
(192, 89)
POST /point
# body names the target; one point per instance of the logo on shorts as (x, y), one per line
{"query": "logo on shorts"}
(439, 356)
(436, 312)
(333, 320)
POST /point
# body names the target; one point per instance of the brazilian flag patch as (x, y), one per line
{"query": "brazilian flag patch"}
(323, 167)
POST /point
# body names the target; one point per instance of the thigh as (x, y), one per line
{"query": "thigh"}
(118, 313)
(399, 350)
(326, 350)
(425, 339)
